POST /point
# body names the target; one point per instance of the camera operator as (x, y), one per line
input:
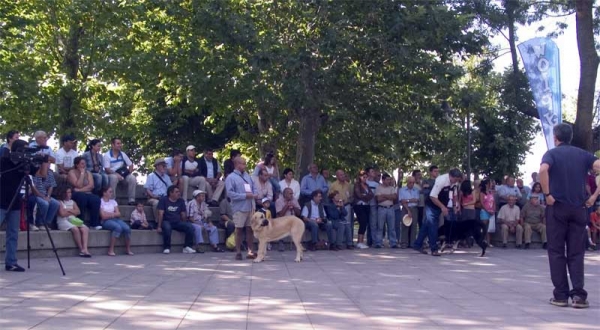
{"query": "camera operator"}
(11, 137)
(9, 186)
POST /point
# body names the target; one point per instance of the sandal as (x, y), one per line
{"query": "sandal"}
(218, 249)
(112, 254)
(130, 253)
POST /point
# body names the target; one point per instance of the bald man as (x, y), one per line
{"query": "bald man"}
(242, 193)
(344, 188)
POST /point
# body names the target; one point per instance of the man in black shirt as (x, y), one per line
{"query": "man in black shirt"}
(562, 176)
(172, 216)
(10, 178)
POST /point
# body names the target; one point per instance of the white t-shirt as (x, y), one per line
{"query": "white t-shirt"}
(441, 182)
(294, 185)
(66, 158)
(108, 206)
(68, 205)
(115, 163)
(191, 166)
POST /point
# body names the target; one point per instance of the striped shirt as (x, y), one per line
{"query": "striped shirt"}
(43, 184)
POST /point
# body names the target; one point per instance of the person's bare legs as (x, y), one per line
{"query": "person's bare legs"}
(85, 231)
(128, 245)
(111, 247)
(77, 238)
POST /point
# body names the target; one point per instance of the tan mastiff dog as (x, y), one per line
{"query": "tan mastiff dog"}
(275, 230)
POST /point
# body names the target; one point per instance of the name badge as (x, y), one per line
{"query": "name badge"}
(247, 187)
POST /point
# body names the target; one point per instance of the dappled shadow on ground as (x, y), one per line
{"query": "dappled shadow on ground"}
(372, 289)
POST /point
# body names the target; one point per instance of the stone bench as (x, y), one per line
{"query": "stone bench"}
(142, 241)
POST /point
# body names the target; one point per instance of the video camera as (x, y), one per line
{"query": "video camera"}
(29, 156)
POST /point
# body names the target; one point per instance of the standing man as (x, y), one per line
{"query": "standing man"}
(119, 169)
(311, 182)
(386, 195)
(9, 186)
(427, 185)
(373, 183)
(211, 171)
(344, 188)
(434, 206)
(409, 197)
(242, 193)
(562, 176)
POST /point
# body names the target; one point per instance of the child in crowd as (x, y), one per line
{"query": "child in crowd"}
(138, 218)
(67, 220)
(198, 214)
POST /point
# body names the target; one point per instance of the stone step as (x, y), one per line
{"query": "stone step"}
(126, 211)
(142, 241)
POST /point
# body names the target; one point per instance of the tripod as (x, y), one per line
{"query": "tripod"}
(25, 185)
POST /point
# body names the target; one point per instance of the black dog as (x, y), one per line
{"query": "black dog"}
(464, 229)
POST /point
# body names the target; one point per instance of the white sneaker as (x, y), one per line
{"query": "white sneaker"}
(362, 246)
(188, 249)
(98, 228)
(33, 227)
(166, 251)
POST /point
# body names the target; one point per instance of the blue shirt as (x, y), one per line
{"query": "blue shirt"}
(46, 151)
(310, 184)
(156, 186)
(406, 193)
(235, 184)
(568, 173)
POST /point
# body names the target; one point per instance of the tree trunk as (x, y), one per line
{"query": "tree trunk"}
(588, 64)
(307, 135)
(68, 95)
(509, 8)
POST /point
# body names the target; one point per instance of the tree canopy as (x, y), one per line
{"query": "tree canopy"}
(345, 84)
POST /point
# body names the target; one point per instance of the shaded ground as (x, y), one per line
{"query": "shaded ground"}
(367, 289)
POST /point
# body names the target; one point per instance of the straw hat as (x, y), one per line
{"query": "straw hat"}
(407, 220)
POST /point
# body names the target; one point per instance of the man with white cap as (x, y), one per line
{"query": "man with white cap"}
(199, 214)
(190, 173)
(157, 184)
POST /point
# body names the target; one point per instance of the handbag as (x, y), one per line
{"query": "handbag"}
(230, 242)
(123, 171)
(492, 225)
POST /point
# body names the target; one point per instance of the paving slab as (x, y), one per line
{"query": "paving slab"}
(360, 289)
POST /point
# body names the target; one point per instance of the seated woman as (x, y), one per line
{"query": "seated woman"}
(270, 164)
(82, 184)
(198, 214)
(110, 215)
(67, 220)
(93, 160)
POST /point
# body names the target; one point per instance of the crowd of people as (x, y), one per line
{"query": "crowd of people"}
(406, 211)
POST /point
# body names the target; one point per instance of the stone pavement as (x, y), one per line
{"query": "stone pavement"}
(361, 289)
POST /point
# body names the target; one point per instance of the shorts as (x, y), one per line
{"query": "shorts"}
(242, 219)
(485, 215)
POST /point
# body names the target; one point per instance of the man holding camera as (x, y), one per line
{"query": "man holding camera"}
(10, 180)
